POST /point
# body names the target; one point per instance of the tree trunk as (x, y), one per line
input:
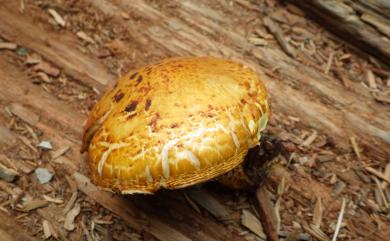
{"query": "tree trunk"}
(364, 23)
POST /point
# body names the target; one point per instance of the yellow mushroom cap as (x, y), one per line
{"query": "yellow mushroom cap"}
(173, 124)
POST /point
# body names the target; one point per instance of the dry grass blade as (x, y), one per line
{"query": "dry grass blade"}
(339, 220)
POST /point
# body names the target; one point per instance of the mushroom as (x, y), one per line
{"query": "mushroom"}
(177, 123)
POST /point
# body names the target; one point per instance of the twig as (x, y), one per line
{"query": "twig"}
(265, 212)
(339, 220)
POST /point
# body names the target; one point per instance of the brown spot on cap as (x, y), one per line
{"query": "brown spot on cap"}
(133, 75)
(153, 121)
(174, 125)
(118, 96)
(132, 106)
(139, 80)
(148, 104)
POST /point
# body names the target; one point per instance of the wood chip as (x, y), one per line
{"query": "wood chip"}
(24, 114)
(34, 204)
(47, 68)
(339, 187)
(46, 229)
(258, 41)
(378, 174)
(125, 16)
(7, 174)
(7, 137)
(70, 217)
(387, 176)
(382, 97)
(316, 232)
(85, 37)
(317, 214)
(267, 216)
(251, 222)
(309, 140)
(9, 46)
(70, 203)
(278, 34)
(371, 79)
(33, 59)
(329, 63)
(53, 200)
(355, 147)
(382, 201)
(43, 77)
(192, 203)
(59, 20)
(208, 202)
(60, 152)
